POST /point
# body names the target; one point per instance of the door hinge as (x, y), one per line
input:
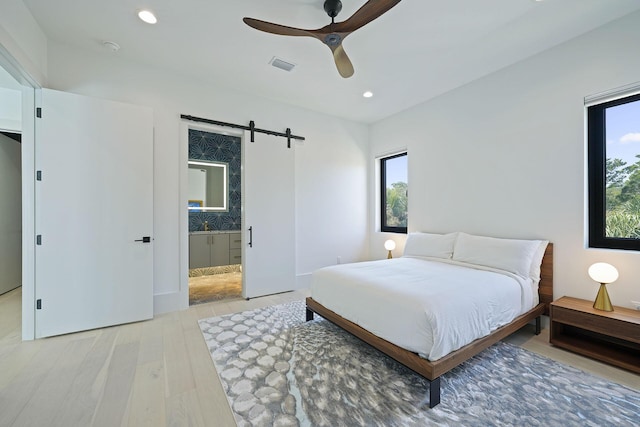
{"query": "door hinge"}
(39, 112)
(39, 304)
(39, 239)
(38, 175)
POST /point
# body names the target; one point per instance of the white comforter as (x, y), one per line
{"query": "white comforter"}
(427, 306)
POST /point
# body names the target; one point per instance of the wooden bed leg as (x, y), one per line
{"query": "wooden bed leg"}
(309, 315)
(538, 327)
(434, 392)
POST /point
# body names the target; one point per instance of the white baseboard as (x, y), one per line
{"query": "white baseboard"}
(165, 303)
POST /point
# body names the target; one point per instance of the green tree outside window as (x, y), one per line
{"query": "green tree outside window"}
(623, 199)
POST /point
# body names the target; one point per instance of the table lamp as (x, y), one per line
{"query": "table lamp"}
(389, 245)
(603, 273)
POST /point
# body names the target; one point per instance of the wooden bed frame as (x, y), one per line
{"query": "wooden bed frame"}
(433, 370)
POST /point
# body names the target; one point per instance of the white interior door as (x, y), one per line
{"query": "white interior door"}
(94, 200)
(269, 213)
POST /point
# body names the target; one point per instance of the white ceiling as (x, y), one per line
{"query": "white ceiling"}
(417, 50)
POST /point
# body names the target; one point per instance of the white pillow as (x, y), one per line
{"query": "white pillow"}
(515, 256)
(430, 245)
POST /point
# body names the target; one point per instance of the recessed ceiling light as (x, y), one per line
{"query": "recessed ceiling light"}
(368, 94)
(147, 17)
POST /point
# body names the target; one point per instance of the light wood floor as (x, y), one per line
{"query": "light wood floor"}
(154, 373)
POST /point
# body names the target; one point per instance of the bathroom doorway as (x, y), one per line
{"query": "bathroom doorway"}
(214, 216)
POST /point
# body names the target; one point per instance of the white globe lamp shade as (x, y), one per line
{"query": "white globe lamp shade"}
(389, 245)
(602, 272)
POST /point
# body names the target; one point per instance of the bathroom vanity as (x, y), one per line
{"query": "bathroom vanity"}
(214, 248)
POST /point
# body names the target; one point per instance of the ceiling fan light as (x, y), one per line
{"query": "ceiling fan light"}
(368, 94)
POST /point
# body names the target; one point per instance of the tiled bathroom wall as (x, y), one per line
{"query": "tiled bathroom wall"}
(220, 148)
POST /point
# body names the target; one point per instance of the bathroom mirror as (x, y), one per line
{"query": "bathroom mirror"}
(208, 188)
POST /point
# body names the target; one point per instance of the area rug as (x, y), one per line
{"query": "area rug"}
(278, 370)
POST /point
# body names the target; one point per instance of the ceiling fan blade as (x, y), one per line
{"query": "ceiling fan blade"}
(332, 34)
(272, 28)
(345, 67)
(368, 12)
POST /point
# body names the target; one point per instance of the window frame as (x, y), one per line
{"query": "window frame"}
(596, 176)
(383, 195)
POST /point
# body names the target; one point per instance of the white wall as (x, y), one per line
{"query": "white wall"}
(331, 165)
(10, 103)
(10, 110)
(504, 155)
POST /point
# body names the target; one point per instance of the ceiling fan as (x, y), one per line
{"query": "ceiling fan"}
(334, 33)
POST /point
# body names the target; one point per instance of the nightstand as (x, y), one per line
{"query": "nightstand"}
(611, 337)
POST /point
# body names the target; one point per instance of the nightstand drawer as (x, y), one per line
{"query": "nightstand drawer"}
(599, 324)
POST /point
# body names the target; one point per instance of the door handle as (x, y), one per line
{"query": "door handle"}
(251, 236)
(145, 239)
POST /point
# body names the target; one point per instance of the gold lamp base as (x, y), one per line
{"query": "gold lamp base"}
(389, 256)
(602, 301)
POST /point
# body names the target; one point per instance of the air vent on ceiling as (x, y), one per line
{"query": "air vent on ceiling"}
(283, 65)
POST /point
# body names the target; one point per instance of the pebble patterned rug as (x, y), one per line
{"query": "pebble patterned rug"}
(278, 370)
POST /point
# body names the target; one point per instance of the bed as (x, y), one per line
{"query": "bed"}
(446, 299)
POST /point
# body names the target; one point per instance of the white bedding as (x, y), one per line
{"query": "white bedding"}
(428, 306)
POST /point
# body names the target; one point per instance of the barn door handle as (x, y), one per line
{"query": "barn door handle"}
(251, 236)
(145, 239)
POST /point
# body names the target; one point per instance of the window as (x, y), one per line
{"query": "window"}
(613, 137)
(394, 193)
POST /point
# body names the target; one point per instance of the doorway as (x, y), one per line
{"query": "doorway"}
(10, 183)
(214, 215)
(266, 225)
